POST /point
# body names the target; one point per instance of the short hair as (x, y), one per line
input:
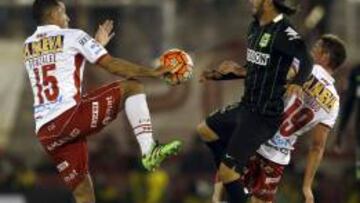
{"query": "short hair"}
(40, 8)
(335, 48)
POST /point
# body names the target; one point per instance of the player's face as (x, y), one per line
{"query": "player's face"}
(61, 18)
(257, 7)
(318, 53)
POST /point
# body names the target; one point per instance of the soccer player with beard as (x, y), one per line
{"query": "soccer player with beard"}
(235, 134)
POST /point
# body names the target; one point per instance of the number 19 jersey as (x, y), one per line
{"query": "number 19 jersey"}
(54, 60)
(319, 105)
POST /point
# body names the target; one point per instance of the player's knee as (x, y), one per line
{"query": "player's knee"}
(206, 133)
(132, 87)
(226, 174)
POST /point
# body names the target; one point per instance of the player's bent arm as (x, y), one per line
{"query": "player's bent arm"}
(126, 68)
(306, 64)
(238, 73)
(319, 136)
(228, 70)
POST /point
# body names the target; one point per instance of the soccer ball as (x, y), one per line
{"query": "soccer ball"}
(180, 66)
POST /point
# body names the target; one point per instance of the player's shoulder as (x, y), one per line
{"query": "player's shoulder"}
(289, 32)
(321, 74)
(29, 39)
(73, 33)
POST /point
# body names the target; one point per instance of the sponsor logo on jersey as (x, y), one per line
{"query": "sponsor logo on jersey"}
(84, 40)
(292, 34)
(281, 141)
(285, 151)
(46, 45)
(258, 58)
(318, 90)
(265, 39)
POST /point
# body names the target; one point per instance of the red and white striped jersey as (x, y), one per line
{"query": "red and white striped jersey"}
(54, 59)
(319, 105)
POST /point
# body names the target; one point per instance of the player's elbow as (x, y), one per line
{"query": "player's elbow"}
(105, 61)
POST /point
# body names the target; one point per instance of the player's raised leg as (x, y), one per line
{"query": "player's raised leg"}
(216, 130)
(212, 140)
(137, 112)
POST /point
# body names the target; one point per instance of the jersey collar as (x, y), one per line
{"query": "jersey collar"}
(43, 28)
(326, 75)
(278, 18)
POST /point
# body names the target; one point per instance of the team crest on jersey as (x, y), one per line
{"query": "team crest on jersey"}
(265, 39)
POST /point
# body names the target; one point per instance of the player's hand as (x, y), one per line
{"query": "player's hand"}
(227, 67)
(161, 71)
(294, 90)
(224, 68)
(210, 75)
(308, 194)
(105, 32)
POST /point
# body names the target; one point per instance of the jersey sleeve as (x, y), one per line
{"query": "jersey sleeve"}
(330, 118)
(88, 46)
(290, 43)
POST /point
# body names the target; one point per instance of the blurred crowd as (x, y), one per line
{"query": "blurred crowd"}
(185, 179)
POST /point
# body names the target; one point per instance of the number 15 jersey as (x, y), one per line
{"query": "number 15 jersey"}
(319, 105)
(54, 59)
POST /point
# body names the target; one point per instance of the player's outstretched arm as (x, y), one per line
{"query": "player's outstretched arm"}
(128, 69)
(228, 70)
(319, 136)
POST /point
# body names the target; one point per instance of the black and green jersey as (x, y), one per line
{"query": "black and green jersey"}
(271, 50)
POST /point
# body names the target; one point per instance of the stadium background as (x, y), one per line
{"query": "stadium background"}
(212, 30)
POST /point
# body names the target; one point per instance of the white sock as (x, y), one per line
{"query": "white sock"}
(137, 112)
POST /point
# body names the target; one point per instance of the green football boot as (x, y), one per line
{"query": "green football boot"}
(159, 153)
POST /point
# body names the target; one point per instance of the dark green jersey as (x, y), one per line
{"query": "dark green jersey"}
(271, 50)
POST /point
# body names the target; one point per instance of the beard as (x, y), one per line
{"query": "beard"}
(259, 11)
